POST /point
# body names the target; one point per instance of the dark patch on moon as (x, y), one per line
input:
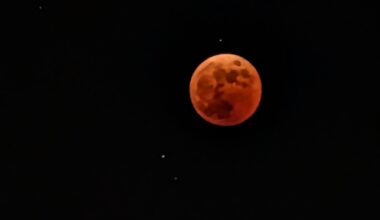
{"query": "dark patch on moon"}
(219, 73)
(244, 84)
(219, 86)
(221, 108)
(204, 83)
(232, 76)
(237, 62)
(245, 73)
(218, 95)
(217, 107)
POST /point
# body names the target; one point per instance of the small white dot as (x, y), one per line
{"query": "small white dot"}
(163, 156)
(175, 178)
(40, 7)
(220, 40)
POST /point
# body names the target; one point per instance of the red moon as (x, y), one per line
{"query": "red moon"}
(225, 89)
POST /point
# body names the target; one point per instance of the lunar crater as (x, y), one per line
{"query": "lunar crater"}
(237, 62)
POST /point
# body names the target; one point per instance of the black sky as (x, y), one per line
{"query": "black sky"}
(95, 93)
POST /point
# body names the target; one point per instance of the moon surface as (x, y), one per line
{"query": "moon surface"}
(225, 89)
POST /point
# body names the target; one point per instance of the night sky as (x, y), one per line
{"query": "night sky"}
(99, 124)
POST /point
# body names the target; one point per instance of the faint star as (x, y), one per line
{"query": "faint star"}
(40, 7)
(175, 178)
(220, 40)
(163, 156)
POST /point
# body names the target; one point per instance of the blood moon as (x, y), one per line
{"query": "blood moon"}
(225, 89)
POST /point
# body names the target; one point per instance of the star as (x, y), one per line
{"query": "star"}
(175, 178)
(163, 156)
(220, 39)
(40, 7)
